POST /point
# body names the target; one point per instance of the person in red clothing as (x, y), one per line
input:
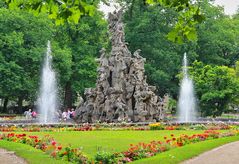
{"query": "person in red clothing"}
(34, 114)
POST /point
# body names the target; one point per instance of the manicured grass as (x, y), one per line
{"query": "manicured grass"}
(178, 155)
(116, 141)
(110, 141)
(30, 154)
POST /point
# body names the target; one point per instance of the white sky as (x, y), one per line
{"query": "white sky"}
(230, 6)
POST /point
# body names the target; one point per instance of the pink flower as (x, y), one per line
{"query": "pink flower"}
(53, 143)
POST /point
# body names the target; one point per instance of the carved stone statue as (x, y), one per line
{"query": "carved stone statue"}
(122, 92)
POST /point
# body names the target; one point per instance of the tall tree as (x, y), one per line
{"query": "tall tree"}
(71, 11)
(218, 40)
(84, 41)
(216, 87)
(23, 39)
(147, 28)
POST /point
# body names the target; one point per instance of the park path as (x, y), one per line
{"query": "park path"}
(9, 157)
(226, 154)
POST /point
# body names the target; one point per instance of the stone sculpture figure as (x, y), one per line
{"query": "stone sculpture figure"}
(122, 92)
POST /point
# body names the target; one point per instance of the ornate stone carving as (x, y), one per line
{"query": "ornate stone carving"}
(121, 93)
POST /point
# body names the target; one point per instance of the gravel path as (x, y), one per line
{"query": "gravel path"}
(9, 157)
(226, 154)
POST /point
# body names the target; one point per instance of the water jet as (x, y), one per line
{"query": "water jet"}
(186, 103)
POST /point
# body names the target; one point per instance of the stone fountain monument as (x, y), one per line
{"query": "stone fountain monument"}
(122, 93)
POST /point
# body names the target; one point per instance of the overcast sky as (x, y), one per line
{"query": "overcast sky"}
(230, 6)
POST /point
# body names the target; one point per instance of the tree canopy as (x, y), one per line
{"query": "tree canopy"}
(216, 86)
(23, 39)
(74, 47)
(60, 10)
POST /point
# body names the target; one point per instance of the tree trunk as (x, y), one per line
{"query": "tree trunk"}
(19, 105)
(5, 105)
(68, 95)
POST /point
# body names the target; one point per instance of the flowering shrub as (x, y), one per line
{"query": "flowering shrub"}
(156, 126)
(170, 127)
(73, 155)
(48, 145)
(221, 126)
(83, 128)
(212, 133)
(145, 150)
(114, 126)
(103, 157)
(45, 129)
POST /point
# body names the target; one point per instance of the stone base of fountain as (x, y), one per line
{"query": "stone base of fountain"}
(25, 123)
(35, 122)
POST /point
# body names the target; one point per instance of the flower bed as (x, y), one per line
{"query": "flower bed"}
(44, 129)
(48, 145)
(222, 126)
(117, 127)
(145, 150)
(136, 151)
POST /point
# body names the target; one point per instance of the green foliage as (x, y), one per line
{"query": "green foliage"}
(110, 141)
(216, 87)
(23, 40)
(74, 155)
(186, 152)
(78, 66)
(237, 69)
(59, 10)
(172, 105)
(189, 15)
(35, 156)
(71, 11)
(62, 60)
(30, 154)
(147, 28)
(217, 37)
(105, 157)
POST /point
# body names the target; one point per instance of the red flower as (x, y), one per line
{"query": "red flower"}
(174, 139)
(180, 144)
(172, 135)
(165, 137)
(59, 147)
(53, 143)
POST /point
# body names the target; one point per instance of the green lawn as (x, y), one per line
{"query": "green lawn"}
(180, 154)
(30, 154)
(110, 141)
(116, 141)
